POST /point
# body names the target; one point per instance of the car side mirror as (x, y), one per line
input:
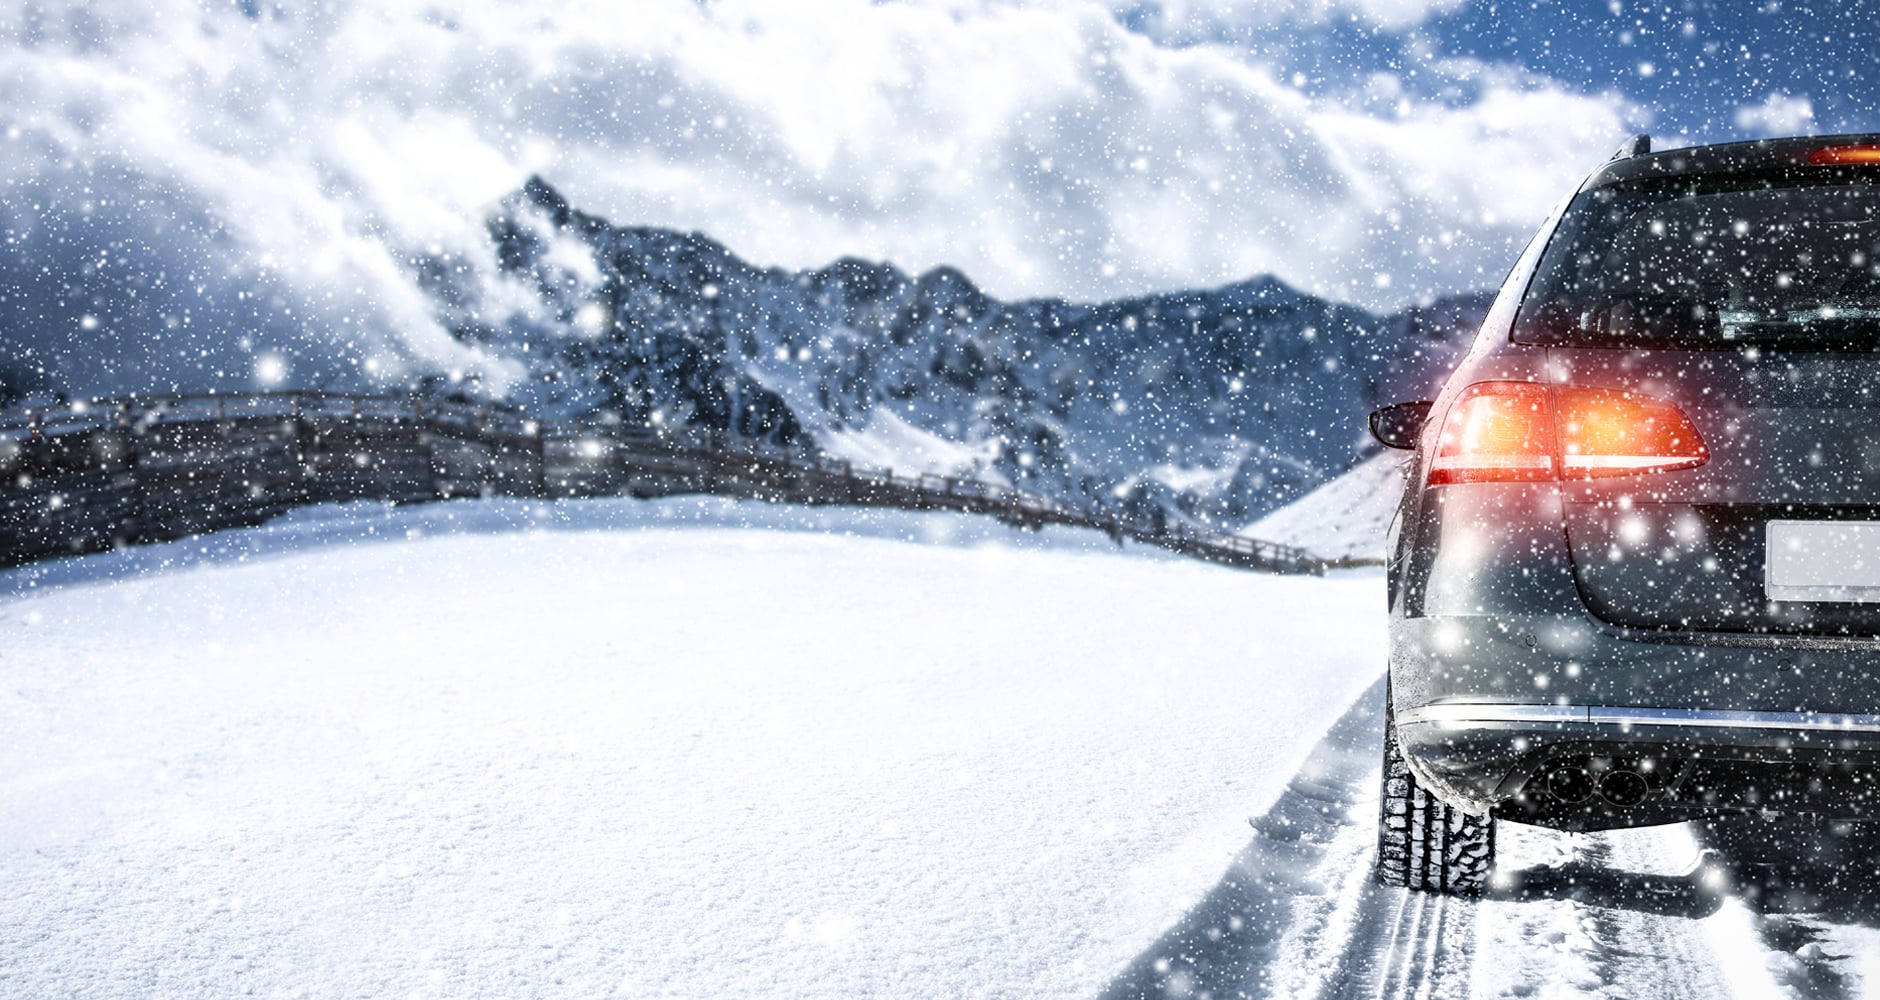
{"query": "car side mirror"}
(1399, 425)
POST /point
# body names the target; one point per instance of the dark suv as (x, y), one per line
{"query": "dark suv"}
(1635, 578)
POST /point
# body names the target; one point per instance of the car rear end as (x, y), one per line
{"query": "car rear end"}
(1636, 577)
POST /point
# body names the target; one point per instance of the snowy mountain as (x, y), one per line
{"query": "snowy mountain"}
(1218, 405)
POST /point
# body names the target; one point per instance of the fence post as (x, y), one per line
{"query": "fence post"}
(428, 446)
(127, 442)
(298, 425)
(541, 460)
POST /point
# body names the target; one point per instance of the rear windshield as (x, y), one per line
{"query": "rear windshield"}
(1790, 261)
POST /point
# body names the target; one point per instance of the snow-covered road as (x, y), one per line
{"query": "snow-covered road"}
(618, 753)
(677, 749)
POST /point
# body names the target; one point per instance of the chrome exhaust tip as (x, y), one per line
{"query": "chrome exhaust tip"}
(1570, 784)
(1623, 788)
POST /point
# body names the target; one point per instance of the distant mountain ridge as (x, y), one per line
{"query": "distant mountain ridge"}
(1215, 405)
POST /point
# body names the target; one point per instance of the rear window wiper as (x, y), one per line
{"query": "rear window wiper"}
(1815, 327)
(1683, 324)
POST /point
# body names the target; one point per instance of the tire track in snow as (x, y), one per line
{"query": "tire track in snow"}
(1421, 958)
(1309, 858)
(1297, 913)
(1626, 914)
(1376, 942)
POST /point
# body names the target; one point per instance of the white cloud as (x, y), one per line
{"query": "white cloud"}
(1198, 16)
(1044, 148)
(1777, 115)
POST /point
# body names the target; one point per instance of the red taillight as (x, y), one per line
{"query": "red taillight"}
(1606, 432)
(1528, 432)
(1836, 156)
(1497, 432)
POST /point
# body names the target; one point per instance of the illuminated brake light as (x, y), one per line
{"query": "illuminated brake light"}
(1836, 156)
(1529, 432)
(1607, 432)
(1496, 432)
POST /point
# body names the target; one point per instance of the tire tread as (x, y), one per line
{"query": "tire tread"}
(1423, 843)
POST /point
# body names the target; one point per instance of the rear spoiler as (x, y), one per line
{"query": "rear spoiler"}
(1638, 145)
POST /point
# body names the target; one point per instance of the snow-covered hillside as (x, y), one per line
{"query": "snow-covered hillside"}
(639, 749)
(1345, 519)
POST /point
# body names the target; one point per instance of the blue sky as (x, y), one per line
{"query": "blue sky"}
(1692, 64)
(1688, 67)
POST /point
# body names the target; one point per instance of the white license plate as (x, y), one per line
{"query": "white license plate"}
(1822, 561)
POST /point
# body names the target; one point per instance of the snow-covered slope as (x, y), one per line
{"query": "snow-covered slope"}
(1346, 518)
(624, 748)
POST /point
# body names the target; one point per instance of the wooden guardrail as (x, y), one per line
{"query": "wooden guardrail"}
(92, 475)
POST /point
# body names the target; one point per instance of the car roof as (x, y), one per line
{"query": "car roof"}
(1728, 157)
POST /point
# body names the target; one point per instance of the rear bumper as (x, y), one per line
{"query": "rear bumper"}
(1499, 671)
(1693, 762)
(1791, 726)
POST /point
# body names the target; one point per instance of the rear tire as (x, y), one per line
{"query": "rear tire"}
(1423, 843)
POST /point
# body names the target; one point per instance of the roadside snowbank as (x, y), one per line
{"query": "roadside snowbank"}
(510, 748)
